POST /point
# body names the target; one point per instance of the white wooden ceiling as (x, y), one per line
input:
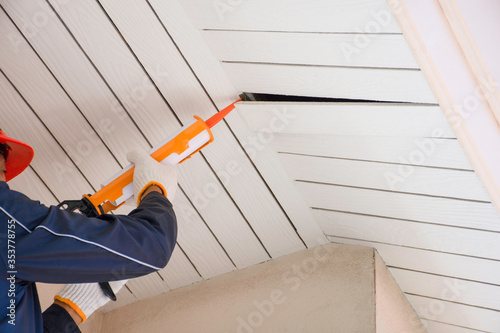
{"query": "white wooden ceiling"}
(86, 81)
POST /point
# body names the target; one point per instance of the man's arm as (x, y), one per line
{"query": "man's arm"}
(68, 247)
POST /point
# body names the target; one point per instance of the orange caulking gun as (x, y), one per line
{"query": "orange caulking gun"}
(175, 149)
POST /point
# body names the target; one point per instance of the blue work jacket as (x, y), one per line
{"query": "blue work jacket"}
(46, 244)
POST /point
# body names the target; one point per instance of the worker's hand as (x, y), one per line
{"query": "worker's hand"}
(150, 172)
(85, 298)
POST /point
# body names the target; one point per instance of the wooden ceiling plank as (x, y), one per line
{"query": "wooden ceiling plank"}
(50, 161)
(459, 291)
(434, 326)
(221, 213)
(51, 104)
(433, 262)
(180, 271)
(130, 83)
(222, 93)
(399, 150)
(475, 243)
(362, 119)
(389, 85)
(455, 314)
(147, 286)
(452, 212)
(33, 187)
(186, 96)
(382, 176)
(292, 15)
(315, 49)
(198, 242)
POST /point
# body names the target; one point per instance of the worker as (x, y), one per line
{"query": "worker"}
(47, 244)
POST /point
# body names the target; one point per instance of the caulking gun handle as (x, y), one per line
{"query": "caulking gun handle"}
(187, 141)
(118, 190)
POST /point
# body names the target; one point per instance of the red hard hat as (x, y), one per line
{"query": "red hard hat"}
(19, 156)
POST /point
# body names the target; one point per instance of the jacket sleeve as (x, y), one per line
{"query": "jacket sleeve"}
(58, 246)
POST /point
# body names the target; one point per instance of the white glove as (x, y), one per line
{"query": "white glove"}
(85, 298)
(150, 172)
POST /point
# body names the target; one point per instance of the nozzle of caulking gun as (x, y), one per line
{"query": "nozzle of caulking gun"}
(212, 121)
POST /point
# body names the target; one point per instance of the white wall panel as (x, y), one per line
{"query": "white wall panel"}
(384, 176)
(197, 240)
(348, 49)
(456, 314)
(292, 15)
(474, 243)
(399, 150)
(460, 213)
(448, 289)
(437, 327)
(391, 85)
(357, 119)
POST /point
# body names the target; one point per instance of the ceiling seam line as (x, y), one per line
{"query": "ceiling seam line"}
(405, 220)
(44, 183)
(189, 259)
(374, 161)
(161, 277)
(303, 32)
(130, 291)
(444, 276)
(391, 191)
(322, 66)
(454, 302)
(445, 323)
(412, 247)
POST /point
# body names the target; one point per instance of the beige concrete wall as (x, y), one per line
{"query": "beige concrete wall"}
(331, 288)
(394, 313)
(325, 289)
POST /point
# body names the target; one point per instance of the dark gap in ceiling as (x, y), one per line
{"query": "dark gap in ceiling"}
(256, 97)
